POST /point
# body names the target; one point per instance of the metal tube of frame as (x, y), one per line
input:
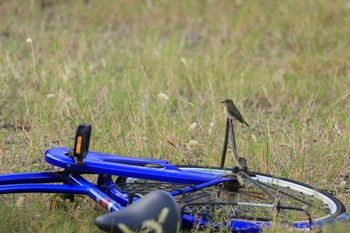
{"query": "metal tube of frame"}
(223, 155)
(233, 139)
(115, 193)
(200, 186)
(262, 187)
(41, 188)
(95, 193)
(36, 177)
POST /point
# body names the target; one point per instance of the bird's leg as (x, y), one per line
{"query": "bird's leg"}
(241, 161)
(223, 155)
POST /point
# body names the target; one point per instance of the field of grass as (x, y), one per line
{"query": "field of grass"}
(150, 75)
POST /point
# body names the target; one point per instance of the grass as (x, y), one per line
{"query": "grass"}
(285, 63)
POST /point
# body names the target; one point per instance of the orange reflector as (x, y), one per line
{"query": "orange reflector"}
(104, 202)
(78, 146)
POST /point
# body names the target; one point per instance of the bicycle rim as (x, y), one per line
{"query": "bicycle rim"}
(249, 208)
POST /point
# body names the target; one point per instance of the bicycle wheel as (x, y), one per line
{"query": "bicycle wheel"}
(246, 206)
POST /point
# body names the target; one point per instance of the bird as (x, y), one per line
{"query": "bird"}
(232, 111)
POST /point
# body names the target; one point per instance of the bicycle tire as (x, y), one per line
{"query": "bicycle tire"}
(337, 211)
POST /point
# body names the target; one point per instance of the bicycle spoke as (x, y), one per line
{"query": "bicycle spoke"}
(250, 203)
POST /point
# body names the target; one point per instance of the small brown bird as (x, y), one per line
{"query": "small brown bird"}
(232, 111)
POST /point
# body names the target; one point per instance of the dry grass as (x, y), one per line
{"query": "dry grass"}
(284, 63)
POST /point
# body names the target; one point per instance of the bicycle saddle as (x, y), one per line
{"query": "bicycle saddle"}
(147, 208)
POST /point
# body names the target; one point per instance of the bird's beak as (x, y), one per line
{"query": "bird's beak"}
(222, 102)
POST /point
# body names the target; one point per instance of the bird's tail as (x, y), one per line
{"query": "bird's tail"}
(243, 121)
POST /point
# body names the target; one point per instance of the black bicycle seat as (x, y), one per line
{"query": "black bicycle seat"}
(147, 208)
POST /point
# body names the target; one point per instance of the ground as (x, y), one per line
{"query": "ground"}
(150, 75)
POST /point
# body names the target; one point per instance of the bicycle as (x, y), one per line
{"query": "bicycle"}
(135, 190)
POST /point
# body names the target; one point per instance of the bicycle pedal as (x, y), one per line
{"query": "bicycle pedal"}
(82, 141)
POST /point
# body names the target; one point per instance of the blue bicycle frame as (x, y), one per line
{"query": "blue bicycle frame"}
(106, 194)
